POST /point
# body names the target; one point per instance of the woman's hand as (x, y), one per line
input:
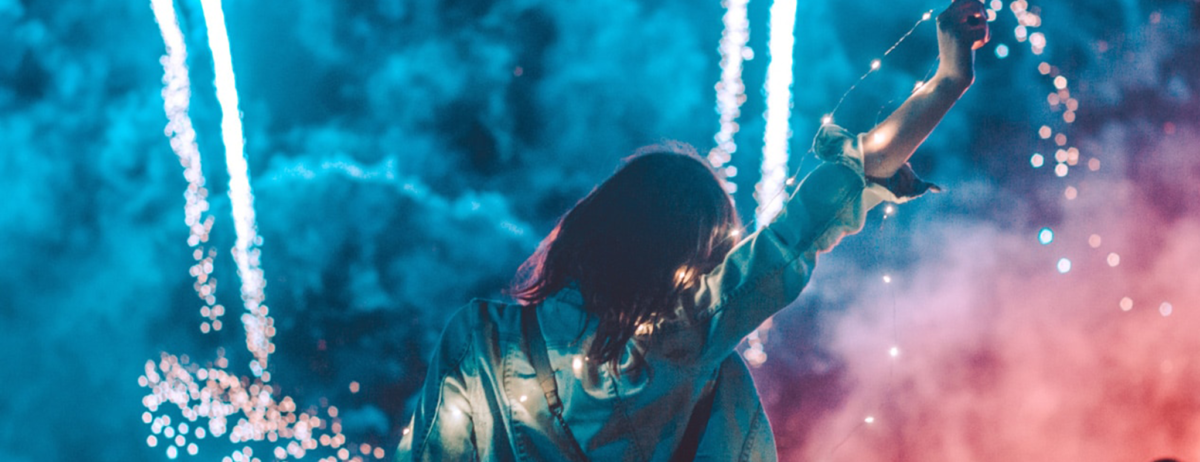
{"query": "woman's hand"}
(962, 29)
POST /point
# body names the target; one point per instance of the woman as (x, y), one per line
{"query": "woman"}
(623, 345)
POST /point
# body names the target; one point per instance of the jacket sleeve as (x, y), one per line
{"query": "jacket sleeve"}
(442, 425)
(767, 270)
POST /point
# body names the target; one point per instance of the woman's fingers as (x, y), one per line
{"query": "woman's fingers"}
(967, 20)
(976, 20)
(970, 12)
(962, 11)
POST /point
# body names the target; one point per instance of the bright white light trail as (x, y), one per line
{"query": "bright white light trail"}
(731, 91)
(770, 189)
(176, 95)
(258, 325)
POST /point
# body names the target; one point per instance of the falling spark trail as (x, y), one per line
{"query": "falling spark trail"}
(731, 90)
(257, 324)
(176, 95)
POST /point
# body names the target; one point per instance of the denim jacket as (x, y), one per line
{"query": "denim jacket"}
(481, 399)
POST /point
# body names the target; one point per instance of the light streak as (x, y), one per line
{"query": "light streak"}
(176, 95)
(731, 91)
(770, 188)
(257, 324)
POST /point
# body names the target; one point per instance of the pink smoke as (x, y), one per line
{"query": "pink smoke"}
(1002, 358)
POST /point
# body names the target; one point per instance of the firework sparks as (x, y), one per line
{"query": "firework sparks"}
(731, 91)
(211, 394)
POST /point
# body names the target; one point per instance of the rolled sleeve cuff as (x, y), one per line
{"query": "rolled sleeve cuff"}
(835, 145)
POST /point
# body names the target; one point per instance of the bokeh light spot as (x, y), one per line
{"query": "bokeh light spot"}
(1046, 236)
(1064, 265)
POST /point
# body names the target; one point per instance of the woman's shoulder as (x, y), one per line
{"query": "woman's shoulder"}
(476, 329)
(483, 316)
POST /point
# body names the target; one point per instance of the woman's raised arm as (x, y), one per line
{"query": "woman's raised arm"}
(962, 29)
(769, 269)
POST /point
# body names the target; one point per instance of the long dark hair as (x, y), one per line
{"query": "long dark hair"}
(634, 243)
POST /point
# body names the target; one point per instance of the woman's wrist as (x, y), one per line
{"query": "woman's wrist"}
(951, 83)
